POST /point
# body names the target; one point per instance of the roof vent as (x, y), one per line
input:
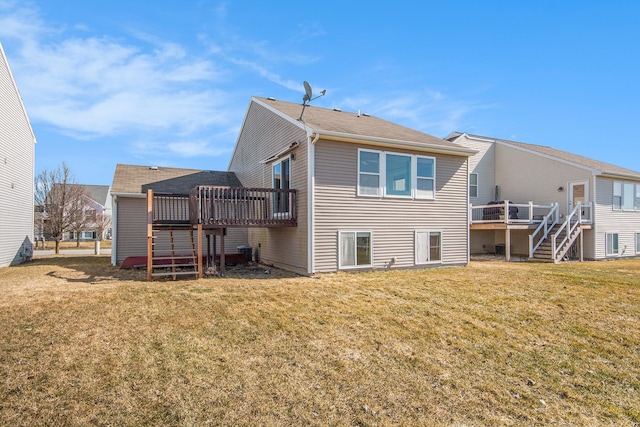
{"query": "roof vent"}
(366, 114)
(153, 168)
(337, 109)
(271, 98)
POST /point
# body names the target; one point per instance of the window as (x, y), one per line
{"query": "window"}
(281, 181)
(425, 186)
(612, 243)
(398, 172)
(428, 247)
(355, 249)
(395, 175)
(626, 196)
(473, 185)
(638, 243)
(369, 173)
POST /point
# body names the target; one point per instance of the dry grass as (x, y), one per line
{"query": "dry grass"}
(83, 343)
(84, 244)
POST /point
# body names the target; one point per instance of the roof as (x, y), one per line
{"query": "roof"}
(603, 168)
(133, 179)
(97, 193)
(327, 121)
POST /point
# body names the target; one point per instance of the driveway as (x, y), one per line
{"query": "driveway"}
(82, 252)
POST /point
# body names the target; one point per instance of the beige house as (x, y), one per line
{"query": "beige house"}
(370, 193)
(17, 145)
(552, 204)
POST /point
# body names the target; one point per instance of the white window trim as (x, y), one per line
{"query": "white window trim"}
(606, 238)
(477, 185)
(415, 247)
(382, 175)
(379, 174)
(353, 267)
(637, 242)
(634, 202)
(280, 160)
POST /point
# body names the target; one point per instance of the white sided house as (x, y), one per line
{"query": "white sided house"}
(17, 148)
(542, 203)
(368, 193)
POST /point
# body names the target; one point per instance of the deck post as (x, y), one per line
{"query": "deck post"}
(530, 212)
(199, 250)
(149, 234)
(507, 244)
(222, 260)
(581, 237)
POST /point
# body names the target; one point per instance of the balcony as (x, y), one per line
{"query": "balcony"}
(224, 207)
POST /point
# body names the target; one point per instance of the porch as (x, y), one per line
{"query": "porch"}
(551, 232)
(208, 211)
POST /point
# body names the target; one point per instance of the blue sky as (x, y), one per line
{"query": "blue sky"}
(168, 83)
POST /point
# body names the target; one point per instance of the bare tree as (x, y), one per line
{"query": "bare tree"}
(61, 198)
(101, 225)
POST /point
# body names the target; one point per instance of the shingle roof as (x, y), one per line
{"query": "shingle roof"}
(362, 125)
(603, 167)
(132, 179)
(98, 193)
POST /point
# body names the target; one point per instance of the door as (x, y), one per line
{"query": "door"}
(579, 193)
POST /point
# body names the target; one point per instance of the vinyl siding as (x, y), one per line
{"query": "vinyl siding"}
(265, 134)
(16, 173)
(392, 221)
(625, 223)
(524, 177)
(132, 233)
(483, 164)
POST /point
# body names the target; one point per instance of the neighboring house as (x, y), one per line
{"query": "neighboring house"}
(370, 193)
(535, 180)
(129, 206)
(17, 147)
(97, 210)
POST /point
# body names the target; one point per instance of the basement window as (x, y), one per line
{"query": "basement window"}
(611, 244)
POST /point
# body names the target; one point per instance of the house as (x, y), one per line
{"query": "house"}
(17, 148)
(129, 189)
(97, 211)
(549, 204)
(370, 193)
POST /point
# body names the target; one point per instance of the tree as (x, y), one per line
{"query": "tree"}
(102, 225)
(62, 202)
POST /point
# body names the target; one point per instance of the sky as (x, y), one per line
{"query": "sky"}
(168, 83)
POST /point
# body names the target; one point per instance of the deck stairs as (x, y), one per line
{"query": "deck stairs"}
(559, 239)
(173, 252)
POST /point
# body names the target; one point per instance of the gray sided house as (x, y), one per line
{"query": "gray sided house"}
(98, 202)
(17, 147)
(370, 193)
(595, 205)
(129, 206)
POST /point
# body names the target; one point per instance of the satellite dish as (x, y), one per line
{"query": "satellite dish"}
(308, 93)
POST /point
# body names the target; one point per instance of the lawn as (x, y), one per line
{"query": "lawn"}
(83, 343)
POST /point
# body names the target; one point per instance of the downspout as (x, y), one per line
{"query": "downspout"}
(594, 222)
(114, 230)
(311, 181)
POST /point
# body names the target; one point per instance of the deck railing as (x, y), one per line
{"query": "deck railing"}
(509, 213)
(243, 207)
(170, 208)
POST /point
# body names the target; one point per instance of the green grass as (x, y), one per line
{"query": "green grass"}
(83, 343)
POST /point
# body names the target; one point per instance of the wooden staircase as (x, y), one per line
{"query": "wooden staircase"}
(172, 253)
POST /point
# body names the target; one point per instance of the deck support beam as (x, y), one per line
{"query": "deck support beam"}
(149, 234)
(507, 244)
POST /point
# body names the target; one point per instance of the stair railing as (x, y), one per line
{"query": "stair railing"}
(541, 233)
(570, 224)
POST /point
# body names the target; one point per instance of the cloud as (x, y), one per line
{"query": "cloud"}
(91, 87)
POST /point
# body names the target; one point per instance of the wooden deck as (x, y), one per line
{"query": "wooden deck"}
(209, 211)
